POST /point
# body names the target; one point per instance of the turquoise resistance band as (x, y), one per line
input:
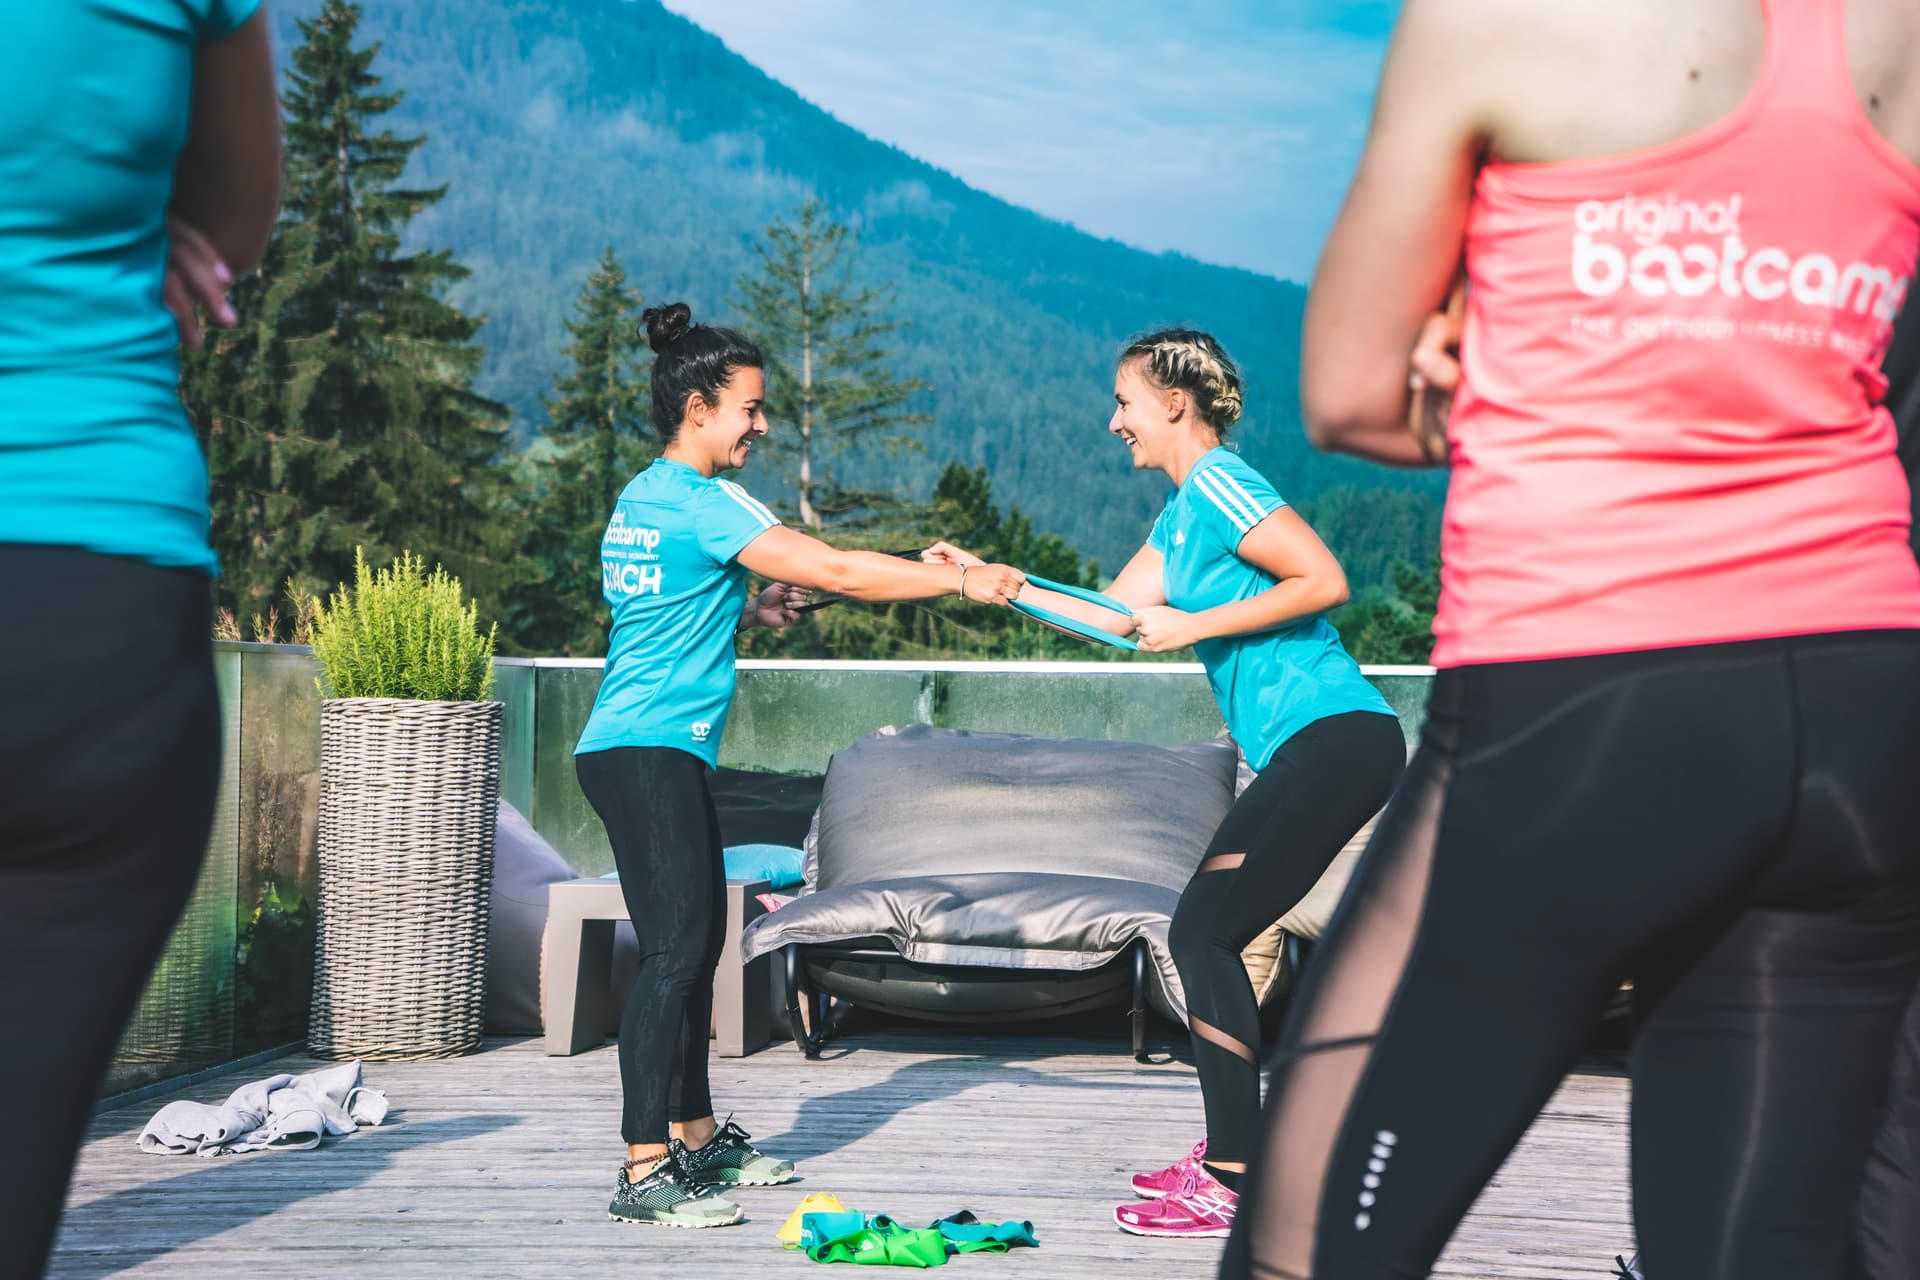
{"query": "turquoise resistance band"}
(1073, 626)
(1045, 617)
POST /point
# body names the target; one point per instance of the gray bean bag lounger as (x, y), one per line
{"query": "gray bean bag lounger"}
(956, 875)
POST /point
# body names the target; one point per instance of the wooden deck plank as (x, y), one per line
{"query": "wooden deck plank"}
(500, 1164)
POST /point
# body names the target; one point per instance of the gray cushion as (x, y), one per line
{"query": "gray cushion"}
(1002, 802)
(1001, 920)
(1004, 851)
(524, 864)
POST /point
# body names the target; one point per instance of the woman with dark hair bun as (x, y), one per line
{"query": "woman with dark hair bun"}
(674, 564)
(1234, 573)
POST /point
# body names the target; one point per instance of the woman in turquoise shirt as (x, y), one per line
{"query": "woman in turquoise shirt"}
(139, 161)
(674, 564)
(1232, 572)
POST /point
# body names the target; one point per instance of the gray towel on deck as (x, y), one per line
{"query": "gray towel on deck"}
(280, 1113)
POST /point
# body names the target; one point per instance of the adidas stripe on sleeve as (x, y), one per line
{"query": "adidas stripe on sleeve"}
(730, 519)
(1239, 494)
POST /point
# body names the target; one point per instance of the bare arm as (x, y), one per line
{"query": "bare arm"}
(226, 182)
(1396, 247)
(1311, 581)
(789, 556)
(1140, 585)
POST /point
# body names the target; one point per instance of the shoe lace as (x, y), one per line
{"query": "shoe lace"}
(1189, 1180)
(1191, 1177)
(682, 1182)
(1629, 1269)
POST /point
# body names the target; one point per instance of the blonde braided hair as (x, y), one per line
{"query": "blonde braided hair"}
(1197, 364)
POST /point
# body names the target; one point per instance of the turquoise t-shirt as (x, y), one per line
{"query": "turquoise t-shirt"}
(667, 567)
(1272, 684)
(95, 450)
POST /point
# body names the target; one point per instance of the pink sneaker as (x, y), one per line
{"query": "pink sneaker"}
(1200, 1206)
(1151, 1186)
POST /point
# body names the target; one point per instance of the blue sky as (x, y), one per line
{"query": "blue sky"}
(1224, 129)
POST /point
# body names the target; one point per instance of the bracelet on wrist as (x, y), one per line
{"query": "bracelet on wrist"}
(963, 581)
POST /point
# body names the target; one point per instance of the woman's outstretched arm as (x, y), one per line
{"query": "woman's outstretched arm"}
(789, 556)
(1139, 586)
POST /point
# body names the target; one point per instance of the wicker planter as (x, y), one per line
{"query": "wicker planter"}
(407, 810)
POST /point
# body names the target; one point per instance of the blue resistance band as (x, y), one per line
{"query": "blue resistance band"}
(1073, 626)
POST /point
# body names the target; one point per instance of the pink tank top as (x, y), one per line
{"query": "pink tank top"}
(1669, 429)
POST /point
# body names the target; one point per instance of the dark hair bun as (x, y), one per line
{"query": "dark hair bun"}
(666, 325)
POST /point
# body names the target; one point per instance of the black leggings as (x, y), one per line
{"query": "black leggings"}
(1887, 1233)
(1735, 828)
(1274, 844)
(666, 841)
(109, 759)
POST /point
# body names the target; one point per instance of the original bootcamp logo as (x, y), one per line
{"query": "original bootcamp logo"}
(622, 534)
(622, 571)
(1714, 257)
(624, 553)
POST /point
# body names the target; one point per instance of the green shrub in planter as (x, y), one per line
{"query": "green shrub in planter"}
(402, 632)
(409, 782)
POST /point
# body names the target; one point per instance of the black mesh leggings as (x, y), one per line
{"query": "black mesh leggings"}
(1273, 845)
(1736, 828)
(666, 842)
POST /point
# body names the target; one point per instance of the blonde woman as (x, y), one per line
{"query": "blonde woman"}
(1232, 572)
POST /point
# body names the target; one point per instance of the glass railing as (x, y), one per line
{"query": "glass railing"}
(790, 717)
(235, 976)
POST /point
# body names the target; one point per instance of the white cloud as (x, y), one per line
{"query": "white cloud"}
(540, 114)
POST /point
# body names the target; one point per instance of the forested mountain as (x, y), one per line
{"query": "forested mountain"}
(561, 127)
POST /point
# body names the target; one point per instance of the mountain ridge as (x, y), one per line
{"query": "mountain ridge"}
(562, 127)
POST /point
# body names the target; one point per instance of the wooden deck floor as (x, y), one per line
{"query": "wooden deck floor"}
(500, 1164)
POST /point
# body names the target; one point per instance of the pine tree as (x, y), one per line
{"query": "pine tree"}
(1393, 627)
(597, 437)
(265, 529)
(343, 413)
(830, 390)
(963, 512)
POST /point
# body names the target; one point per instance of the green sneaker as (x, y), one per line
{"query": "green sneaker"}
(729, 1159)
(665, 1197)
